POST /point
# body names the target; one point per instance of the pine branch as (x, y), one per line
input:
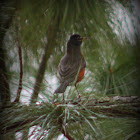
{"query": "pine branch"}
(116, 106)
(21, 73)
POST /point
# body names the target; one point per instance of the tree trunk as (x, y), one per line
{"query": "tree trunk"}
(48, 51)
(6, 15)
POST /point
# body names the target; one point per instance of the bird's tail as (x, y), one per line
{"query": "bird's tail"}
(61, 88)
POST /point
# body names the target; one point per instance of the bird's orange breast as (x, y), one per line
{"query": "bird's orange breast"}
(81, 75)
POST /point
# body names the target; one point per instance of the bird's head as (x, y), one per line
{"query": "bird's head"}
(76, 39)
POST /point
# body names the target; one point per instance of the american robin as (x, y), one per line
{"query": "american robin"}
(71, 68)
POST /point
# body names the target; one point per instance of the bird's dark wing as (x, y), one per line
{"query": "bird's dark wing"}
(69, 68)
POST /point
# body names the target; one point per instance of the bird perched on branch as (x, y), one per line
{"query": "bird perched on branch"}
(71, 68)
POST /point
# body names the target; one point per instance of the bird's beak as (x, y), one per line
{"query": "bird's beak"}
(84, 38)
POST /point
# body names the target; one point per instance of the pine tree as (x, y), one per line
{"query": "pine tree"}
(33, 39)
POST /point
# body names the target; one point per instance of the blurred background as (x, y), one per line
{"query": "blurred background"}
(42, 28)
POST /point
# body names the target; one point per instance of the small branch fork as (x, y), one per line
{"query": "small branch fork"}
(21, 72)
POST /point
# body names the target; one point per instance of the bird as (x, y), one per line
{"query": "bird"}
(71, 68)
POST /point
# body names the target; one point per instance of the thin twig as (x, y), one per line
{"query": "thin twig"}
(21, 72)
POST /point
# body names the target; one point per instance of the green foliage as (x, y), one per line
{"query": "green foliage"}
(48, 120)
(111, 67)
